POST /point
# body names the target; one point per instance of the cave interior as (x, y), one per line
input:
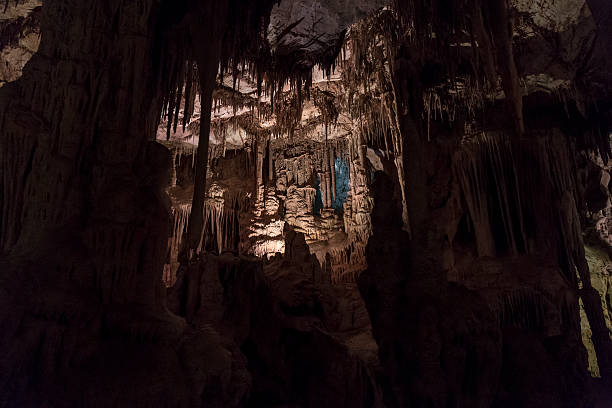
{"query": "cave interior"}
(306, 203)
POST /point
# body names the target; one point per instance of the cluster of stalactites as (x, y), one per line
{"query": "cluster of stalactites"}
(284, 110)
(531, 309)
(183, 86)
(475, 34)
(501, 180)
(224, 96)
(486, 25)
(370, 96)
(346, 262)
(220, 226)
(282, 85)
(447, 101)
(325, 101)
(372, 44)
(484, 165)
(220, 219)
(240, 31)
(180, 220)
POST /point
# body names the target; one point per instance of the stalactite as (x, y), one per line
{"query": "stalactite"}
(347, 262)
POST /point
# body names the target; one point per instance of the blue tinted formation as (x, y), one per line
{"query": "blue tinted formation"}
(342, 183)
(341, 168)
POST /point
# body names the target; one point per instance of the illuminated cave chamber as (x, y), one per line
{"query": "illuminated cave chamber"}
(290, 161)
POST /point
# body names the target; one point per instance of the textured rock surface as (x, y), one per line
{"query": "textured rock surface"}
(306, 31)
(480, 246)
(307, 343)
(84, 226)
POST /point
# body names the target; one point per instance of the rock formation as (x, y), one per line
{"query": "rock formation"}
(299, 203)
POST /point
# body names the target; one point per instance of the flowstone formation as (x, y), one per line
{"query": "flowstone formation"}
(300, 203)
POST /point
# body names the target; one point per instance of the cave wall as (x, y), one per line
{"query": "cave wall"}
(483, 208)
(85, 224)
(82, 201)
(70, 180)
